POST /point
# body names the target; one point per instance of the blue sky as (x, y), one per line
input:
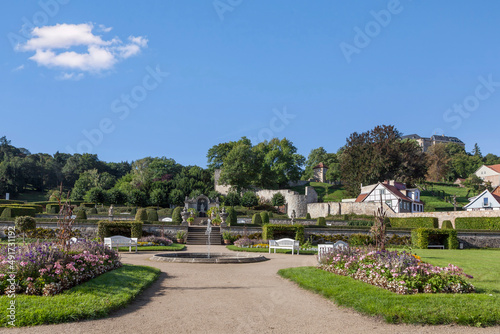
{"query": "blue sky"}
(313, 72)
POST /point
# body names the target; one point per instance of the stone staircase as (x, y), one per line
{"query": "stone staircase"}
(196, 236)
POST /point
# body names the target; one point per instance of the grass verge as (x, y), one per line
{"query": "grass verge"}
(266, 250)
(90, 300)
(479, 309)
(173, 247)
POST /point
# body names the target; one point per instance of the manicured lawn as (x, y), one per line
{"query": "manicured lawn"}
(172, 247)
(435, 203)
(91, 300)
(266, 250)
(479, 309)
(326, 191)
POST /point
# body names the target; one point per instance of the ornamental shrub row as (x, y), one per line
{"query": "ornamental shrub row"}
(420, 237)
(104, 228)
(11, 211)
(415, 222)
(278, 231)
(477, 223)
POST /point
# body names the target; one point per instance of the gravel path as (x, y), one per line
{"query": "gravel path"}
(234, 298)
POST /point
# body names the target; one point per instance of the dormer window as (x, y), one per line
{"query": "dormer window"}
(485, 201)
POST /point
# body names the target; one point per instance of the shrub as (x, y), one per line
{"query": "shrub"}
(161, 241)
(278, 231)
(25, 223)
(232, 218)
(264, 217)
(415, 222)
(256, 219)
(88, 205)
(141, 215)
(81, 214)
(308, 216)
(359, 223)
(420, 237)
(133, 211)
(232, 199)
(176, 215)
(447, 224)
(52, 208)
(95, 195)
(93, 211)
(12, 212)
(321, 221)
(137, 198)
(104, 228)
(477, 223)
(271, 215)
(278, 199)
(152, 215)
(115, 196)
(249, 199)
(359, 239)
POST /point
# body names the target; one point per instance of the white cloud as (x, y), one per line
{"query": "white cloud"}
(70, 76)
(19, 68)
(55, 46)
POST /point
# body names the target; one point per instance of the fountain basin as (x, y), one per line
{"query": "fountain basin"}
(203, 258)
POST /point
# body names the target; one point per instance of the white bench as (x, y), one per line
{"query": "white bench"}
(284, 244)
(436, 246)
(121, 241)
(324, 249)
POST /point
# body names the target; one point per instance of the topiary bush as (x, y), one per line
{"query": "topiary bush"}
(93, 211)
(81, 214)
(249, 199)
(447, 224)
(477, 223)
(256, 219)
(321, 221)
(264, 217)
(232, 217)
(420, 238)
(25, 224)
(176, 215)
(308, 216)
(52, 208)
(133, 211)
(141, 215)
(12, 212)
(152, 215)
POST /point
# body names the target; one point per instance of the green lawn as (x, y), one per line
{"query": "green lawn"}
(91, 300)
(435, 203)
(172, 247)
(266, 250)
(479, 309)
(326, 192)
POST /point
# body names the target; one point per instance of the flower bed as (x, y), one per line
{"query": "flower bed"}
(46, 269)
(154, 241)
(399, 272)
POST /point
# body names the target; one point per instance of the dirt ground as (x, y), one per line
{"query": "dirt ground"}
(234, 298)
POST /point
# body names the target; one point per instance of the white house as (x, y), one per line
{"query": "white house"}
(399, 198)
(490, 173)
(485, 201)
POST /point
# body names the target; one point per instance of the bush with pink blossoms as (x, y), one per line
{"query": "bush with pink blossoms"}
(400, 272)
(46, 269)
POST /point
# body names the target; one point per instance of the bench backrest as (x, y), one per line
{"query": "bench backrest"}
(118, 239)
(286, 242)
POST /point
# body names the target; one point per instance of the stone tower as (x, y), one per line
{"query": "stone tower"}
(320, 172)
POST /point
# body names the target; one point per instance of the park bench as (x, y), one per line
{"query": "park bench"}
(285, 243)
(121, 241)
(436, 246)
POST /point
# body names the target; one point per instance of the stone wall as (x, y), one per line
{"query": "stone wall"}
(342, 208)
(450, 215)
(294, 200)
(221, 188)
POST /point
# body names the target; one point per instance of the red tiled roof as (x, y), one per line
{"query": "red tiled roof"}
(496, 168)
(361, 197)
(496, 197)
(320, 165)
(396, 192)
(496, 191)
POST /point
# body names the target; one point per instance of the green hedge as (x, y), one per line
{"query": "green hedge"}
(88, 205)
(415, 222)
(152, 215)
(11, 212)
(420, 237)
(272, 231)
(38, 208)
(321, 221)
(52, 208)
(10, 201)
(477, 223)
(104, 228)
(447, 224)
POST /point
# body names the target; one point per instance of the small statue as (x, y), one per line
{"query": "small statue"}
(111, 212)
(294, 215)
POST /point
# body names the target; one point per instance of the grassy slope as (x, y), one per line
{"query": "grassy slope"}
(478, 309)
(91, 300)
(434, 202)
(326, 191)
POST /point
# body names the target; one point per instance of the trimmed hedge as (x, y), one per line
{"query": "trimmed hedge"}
(88, 205)
(38, 208)
(141, 215)
(104, 228)
(176, 215)
(477, 223)
(447, 224)
(11, 212)
(415, 222)
(152, 215)
(321, 221)
(52, 208)
(256, 219)
(10, 201)
(81, 214)
(264, 217)
(420, 237)
(273, 231)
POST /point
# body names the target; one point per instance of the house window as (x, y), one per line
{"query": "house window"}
(485, 201)
(389, 203)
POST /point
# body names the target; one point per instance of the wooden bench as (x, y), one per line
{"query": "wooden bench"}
(285, 243)
(436, 246)
(121, 241)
